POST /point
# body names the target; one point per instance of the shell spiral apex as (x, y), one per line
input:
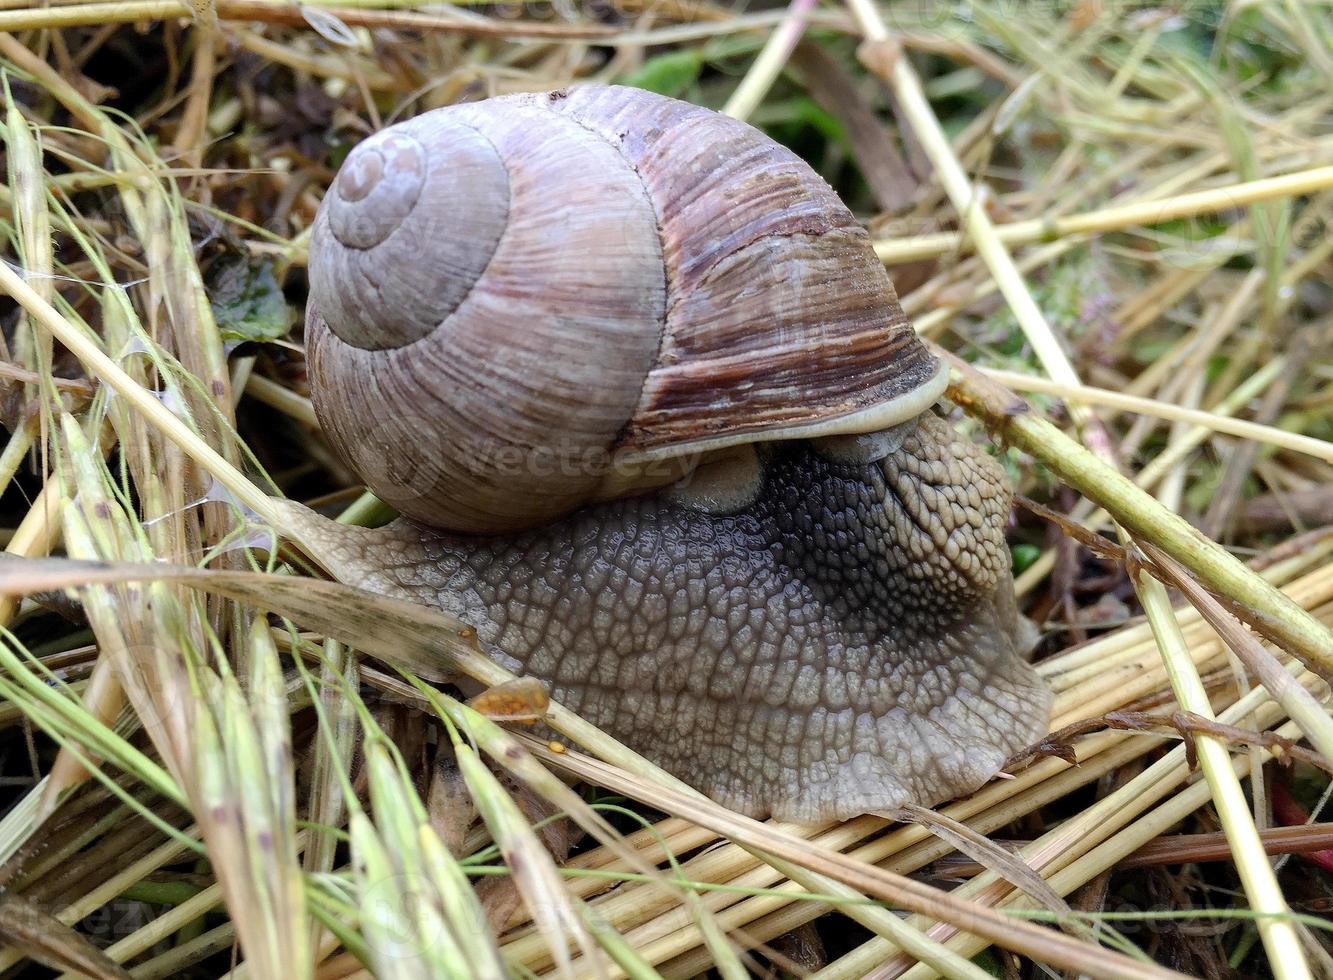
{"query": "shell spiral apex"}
(376, 189)
(540, 297)
(408, 226)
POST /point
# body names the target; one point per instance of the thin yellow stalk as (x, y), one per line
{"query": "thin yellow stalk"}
(883, 55)
(1148, 828)
(502, 747)
(1061, 848)
(793, 849)
(97, 363)
(87, 904)
(707, 868)
(35, 536)
(642, 911)
(1206, 421)
(133, 11)
(770, 62)
(1301, 706)
(1102, 657)
(885, 923)
(176, 959)
(16, 450)
(1285, 956)
(161, 927)
(932, 323)
(324, 65)
(1308, 555)
(867, 878)
(916, 248)
(908, 847)
(1100, 859)
(283, 399)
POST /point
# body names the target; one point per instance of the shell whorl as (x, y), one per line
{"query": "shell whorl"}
(377, 189)
(509, 298)
(480, 360)
(405, 231)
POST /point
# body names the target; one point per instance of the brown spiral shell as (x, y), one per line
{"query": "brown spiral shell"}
(524, 304)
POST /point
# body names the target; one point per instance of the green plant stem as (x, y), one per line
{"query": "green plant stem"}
(1301, 706)
(1016, 422)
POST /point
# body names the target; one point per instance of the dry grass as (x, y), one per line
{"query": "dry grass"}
(1121, 209)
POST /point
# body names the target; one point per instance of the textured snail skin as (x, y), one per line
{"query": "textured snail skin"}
(845, 642)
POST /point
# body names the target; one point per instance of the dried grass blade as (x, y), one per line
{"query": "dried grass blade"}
(232, 757)
(32, 219)
(82, 14)
(988, 854)
(884, 922)
(260, 775)
(327, 809)
(1116, 218)
(1104, 856)
(508, 751)
(416, 638)
(1261, 887)
(429, 643)
(61, 715)
(148, 670)
(534, 872)
(1040, 944)
(1302, 706)
(51, 942)
(1066, 853)
(1209, 422)
(96, 361)
(228, 825)
(391, 908)
(55, 572)
(421, 913)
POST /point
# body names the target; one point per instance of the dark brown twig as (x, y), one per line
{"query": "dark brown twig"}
(1181, 849)
(1185, 723)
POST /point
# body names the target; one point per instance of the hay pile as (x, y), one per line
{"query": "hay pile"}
(1122, 210)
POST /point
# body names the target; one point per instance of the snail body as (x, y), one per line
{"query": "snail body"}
(661, 433)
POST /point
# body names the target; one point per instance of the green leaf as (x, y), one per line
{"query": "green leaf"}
(1023, 556)
(990, 962)
(247, 301)
(668, 74)
(790, 116)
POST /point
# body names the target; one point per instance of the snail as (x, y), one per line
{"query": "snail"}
(659, 430)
